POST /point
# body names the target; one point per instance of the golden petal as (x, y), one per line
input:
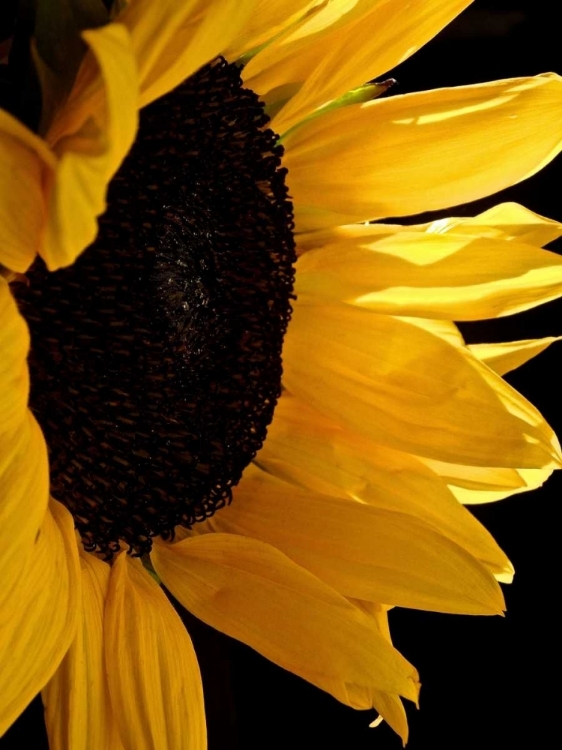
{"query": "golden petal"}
(91, 137)
(451, 276)
(171, 39)
(423, 151)
(251, 591)
(406, 388)
(39, 621)
(268, 19)
(508, 355)
(24, 468)
(78, 713)
(309, 451)
(506, 221)
(382, 35)
(368, 551)
(152, 671)
(26, 166)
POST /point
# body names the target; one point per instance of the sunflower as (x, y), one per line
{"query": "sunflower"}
(146, 354)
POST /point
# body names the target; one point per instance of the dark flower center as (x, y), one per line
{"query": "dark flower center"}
(156, 357)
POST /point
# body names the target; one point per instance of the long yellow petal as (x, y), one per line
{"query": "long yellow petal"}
(370, 373)
(14, 375)
(530, 479)
(152, 671)
(78, 714)
(424, 151)
(309, 451)
(24, 468)
(389, 705)
(451, 276)
(508, 355)
(391, 709)
(26, 166)
(171, 39)
(506, 221)
(251, 591)
(91, 138)
(382, 35)
(475, 477)
(361, 233)
(39, 621)
(268, 19)
(366, 551)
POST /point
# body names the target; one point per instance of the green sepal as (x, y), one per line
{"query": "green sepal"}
(365, 93)
(147, 564)
(362, 94)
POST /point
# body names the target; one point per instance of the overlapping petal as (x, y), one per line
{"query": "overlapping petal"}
(171, 40)
(38, 624)
(78, 714)
(530, 479)
(367, 551)
(505, 356)
(268, 19)
(382, 34)
(24, 471)
(389, 705)
(406, 388)
(307, 450)
(26, 166)
(91, 137)
(252, 592)
(152, 671)
(452, 275)
(421, 152)
(505, 221)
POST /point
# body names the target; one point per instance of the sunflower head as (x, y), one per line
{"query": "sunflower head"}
(163, 351)
(167, 358)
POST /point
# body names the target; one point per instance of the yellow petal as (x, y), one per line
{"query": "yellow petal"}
(39, 622)
(318, 238)
(24, 469)
(451, 276)
(421, 152)
(252, 592)
(388, 705)
(152, 671)
(91, 137)
(365, 551)
(475, 477)
(171, 39)
(392, 711)
(307, 450)
(508, 355)
(507, 221)
(268, 19)
(78, 714)
(381, 34)
(408, 389)
(26, 165)
(14, 375)
(445, 329)
(529, 479)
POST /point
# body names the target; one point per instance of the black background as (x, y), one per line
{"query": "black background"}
(488, 682)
